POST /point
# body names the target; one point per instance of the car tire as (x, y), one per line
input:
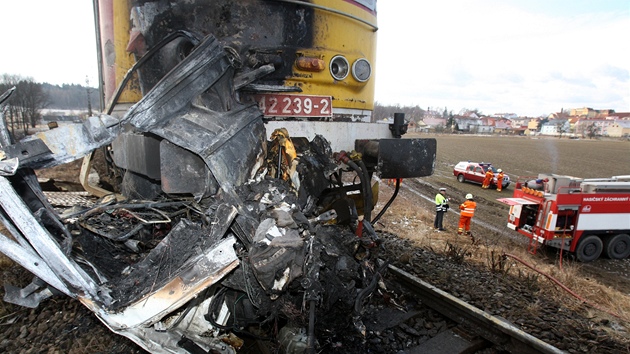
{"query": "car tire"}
(460, 178)
(589, 248)
(617, 247)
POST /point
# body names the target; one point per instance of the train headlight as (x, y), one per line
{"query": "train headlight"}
(361, 70)
(339, 67)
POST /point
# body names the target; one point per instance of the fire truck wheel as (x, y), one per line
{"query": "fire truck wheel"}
(589, 249)
(460, 178)
(617, 247)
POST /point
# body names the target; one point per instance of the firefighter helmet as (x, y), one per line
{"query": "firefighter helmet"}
(469, 196)
(499, 170)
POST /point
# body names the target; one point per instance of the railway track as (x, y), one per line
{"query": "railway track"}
(475, 329)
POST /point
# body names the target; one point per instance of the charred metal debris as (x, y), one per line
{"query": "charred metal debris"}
(215, 234)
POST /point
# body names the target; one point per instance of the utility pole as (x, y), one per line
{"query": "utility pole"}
(89, 91)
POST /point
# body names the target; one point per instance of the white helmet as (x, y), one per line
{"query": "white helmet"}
(469, 196)
(499, 170)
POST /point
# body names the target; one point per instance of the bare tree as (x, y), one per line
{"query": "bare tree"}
(468, 112)
(561, 128)
(23, 111)
(11, 114)
(414, 113)
(592, 130)
(89, 98)
(33, 99)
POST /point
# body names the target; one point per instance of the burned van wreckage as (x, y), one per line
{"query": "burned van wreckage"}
(220, 228)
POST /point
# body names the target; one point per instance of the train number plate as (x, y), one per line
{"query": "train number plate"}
(279, 105)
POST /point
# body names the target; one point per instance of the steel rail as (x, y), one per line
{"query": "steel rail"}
(489, 327)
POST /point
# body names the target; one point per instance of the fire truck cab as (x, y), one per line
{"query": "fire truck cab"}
(588, 217)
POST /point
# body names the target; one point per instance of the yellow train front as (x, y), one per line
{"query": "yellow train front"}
(309, 65)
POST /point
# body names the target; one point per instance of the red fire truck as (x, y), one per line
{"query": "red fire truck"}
(585, 216)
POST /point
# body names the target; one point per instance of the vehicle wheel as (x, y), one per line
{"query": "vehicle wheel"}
(589, 248)
(460, 178)
(617, 247)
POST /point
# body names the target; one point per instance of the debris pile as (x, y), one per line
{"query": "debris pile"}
(279, 243)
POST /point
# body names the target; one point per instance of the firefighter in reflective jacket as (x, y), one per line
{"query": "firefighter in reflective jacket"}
(467, 211)
(488, 179)
(500, 177)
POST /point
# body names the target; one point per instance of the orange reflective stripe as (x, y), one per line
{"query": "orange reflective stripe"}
(468, 208)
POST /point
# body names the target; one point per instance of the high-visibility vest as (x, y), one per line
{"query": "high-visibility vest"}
(441, 202)
(468, 208)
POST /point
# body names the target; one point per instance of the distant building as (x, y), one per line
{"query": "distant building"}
(601, 126)
(532, 126)
(470, 124)
(482, 129)
(620, 116)
(590, 113)
(433, 122)
(505, 115)
(520, 121)
(555, 127)
(470, 115)
(620, 128)
(558, 115)
(411, 125)
(422, 127)
(503, 126)
(520, 130)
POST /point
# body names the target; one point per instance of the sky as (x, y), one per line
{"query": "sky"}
(49, 41)
(529, 57)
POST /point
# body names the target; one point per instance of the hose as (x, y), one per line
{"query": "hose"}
(365, 184)
(557, 282)
(389, 202)
(368, 197)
